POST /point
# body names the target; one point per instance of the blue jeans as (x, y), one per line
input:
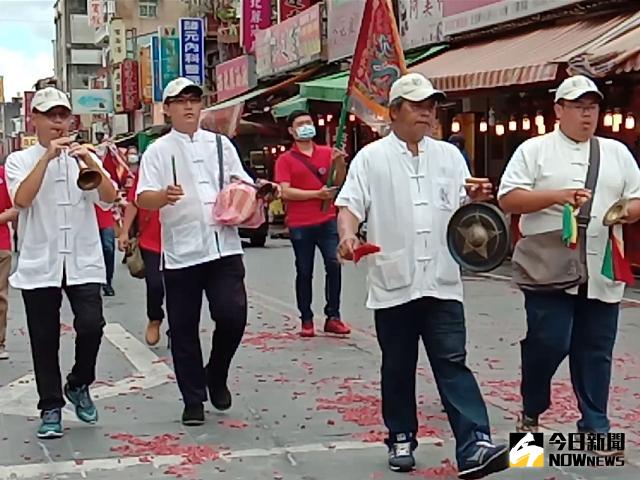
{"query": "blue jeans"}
(305, 240)
(440, 325)
(108, 240)
(559, 324)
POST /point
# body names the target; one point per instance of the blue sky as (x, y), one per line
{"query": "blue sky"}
(26, 52)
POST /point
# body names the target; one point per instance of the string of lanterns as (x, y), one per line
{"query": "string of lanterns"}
(614, 120)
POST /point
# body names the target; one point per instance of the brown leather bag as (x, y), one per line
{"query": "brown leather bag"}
(542, 262)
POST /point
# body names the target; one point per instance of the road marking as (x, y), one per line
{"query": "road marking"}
(34, 470)
(20, 396)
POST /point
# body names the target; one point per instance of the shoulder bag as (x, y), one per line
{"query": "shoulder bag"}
(542, 262)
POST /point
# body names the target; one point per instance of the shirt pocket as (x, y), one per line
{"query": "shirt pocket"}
(88, 251)
(392, 271)
(444, 193)
(447, 270)
(187, 239)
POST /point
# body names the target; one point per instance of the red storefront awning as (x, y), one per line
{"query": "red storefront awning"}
(514, 60)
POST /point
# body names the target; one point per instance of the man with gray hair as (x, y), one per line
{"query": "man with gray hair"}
(407, 186)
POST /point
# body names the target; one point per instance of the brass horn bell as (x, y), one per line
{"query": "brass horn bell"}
(88, 178)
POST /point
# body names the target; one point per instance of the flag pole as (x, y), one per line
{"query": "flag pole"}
(339, 144)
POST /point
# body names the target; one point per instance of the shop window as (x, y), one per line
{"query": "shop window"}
(78, 7)
(148, 8)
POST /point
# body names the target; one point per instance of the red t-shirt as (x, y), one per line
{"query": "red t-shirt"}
(5, 204)
(105, 218)
(148, 223)
(293, 171)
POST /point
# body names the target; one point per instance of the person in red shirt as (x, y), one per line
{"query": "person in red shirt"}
(148, 228)
(7, 214)
(106, 225)
(302, 172)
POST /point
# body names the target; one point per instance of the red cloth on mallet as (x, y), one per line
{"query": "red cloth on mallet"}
(364, 250)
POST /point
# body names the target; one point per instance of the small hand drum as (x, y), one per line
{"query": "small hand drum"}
(616, 212)
(478, 237)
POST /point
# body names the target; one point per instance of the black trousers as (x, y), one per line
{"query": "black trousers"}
(155, 284)
(42, 306)
(222, 281)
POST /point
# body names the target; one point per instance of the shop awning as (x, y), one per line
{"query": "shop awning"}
(287, 107)
(618, 51)
(332, 88)
(514, 60)
(236, 100)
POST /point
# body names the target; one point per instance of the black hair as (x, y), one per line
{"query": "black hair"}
(293, 116)
(457, 139)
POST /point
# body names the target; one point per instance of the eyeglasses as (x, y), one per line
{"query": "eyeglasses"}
(54, 114)
(584, 109)
(184, 100)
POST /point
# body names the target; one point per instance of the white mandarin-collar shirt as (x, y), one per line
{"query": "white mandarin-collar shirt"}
(553, 162)
(58, 234)
(190, 235)
(407, 202)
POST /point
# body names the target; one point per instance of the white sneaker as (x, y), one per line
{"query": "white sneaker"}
(4, 355)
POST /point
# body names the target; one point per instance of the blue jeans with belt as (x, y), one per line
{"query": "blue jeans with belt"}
(559, 324)
(305, 240)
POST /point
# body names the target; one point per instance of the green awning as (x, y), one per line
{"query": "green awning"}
(236, 100)
(285, 108)
(332, 88)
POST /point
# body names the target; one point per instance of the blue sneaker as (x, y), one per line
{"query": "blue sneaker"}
(51, 426)
(484, 459)
(85, 408)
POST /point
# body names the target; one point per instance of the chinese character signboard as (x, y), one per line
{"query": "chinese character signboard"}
(117, 40)
(129, 84)
(116, 88)
(290, 44)
(28, 141)
(29, 127)
(192, 49)
(169, 55)
(96, 13)
(289, 8)
(420, 22)
(235, 77)
(1, 89)
(155, 68)
(256, 15)
(343, 24)
(146, 75)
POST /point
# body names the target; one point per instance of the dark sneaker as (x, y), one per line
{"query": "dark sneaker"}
(219, 394)
(193, 415)
(485, 458)
(527, 424)
(336, 326)
(307, 330)
(51, 424)
(108, 291)
(401, 457)
(85, 409)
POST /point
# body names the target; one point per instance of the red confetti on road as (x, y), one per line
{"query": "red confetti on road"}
(445, 470)
(229, 423)
(166, 444)
(269, 342)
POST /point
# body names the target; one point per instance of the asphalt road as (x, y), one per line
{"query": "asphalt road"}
(304, 409)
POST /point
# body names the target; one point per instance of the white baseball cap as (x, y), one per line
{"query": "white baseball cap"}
(177, 86)
(48, 98)
(575, 87)
(414, 87)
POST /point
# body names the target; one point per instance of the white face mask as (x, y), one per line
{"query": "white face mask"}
(133, 158)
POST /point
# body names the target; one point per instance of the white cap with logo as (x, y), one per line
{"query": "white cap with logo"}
(175, 87)
(48, 98)
(414, 87)
(575, 87)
